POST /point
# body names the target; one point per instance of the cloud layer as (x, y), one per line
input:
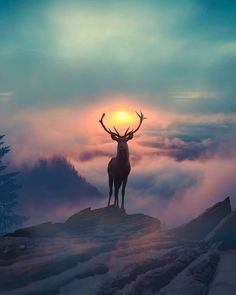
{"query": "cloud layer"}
(179, 163)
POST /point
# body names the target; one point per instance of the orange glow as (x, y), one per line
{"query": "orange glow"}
(119, 113)
(122, 117)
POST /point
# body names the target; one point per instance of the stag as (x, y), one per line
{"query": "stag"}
(119, 167)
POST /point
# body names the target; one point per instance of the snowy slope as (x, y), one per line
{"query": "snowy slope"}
(225, 279)
(103, 252)
(94, 266)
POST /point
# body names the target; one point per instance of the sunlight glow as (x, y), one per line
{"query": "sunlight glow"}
(122, 118)
(121, 114)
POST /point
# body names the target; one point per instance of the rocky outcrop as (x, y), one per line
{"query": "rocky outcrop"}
(199, 227)
(89, 221)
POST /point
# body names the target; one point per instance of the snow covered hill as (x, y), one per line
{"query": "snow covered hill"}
(106, 251)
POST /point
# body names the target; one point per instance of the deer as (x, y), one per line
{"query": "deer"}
(119, 167)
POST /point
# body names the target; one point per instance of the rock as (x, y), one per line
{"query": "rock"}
(92, 221)
(225, 232)
(199, 227)
(205, 270)
(47, 229)
(108, 218)
(102, 216)
(7, 254)
(196, 277)
(89, 217)
(107, 251)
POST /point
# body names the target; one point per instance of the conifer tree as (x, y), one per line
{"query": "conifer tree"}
(8, 193)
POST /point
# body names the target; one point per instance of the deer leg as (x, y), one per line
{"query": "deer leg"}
(110, 187)
(123, 192)
(116, 203)
(117, 186)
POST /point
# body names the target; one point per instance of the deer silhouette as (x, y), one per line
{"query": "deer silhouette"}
(119, 167)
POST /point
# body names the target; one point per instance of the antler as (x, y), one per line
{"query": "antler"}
(127, 132)
(116, 133)
(141, 118)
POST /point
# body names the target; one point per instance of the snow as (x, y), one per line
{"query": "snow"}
(188, 282)
(146, 262)
(66, 265)
(86, 286)
(225, 279)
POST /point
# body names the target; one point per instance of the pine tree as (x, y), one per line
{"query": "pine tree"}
(8, 194)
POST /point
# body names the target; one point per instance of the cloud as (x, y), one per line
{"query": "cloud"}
(5, 96)
(89, 155)
(165, 183)
(172, 156)
(192, 95)
(193, 186)
(181, 150)
(194, 141)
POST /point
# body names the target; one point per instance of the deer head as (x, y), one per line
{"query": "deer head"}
(128, 135)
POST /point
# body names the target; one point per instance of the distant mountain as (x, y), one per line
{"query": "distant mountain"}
(53, 183)
(57, 178)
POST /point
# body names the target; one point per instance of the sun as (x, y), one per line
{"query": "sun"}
(122, 117)
(121, 114)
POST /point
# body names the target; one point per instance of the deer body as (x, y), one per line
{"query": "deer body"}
(118, 170)
(119, 167)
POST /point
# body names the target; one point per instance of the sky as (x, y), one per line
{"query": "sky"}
(64, 63)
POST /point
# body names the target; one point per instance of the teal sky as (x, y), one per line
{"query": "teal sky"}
(176, 55)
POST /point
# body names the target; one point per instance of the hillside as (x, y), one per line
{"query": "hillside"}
(107, 251)
(52, 188)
